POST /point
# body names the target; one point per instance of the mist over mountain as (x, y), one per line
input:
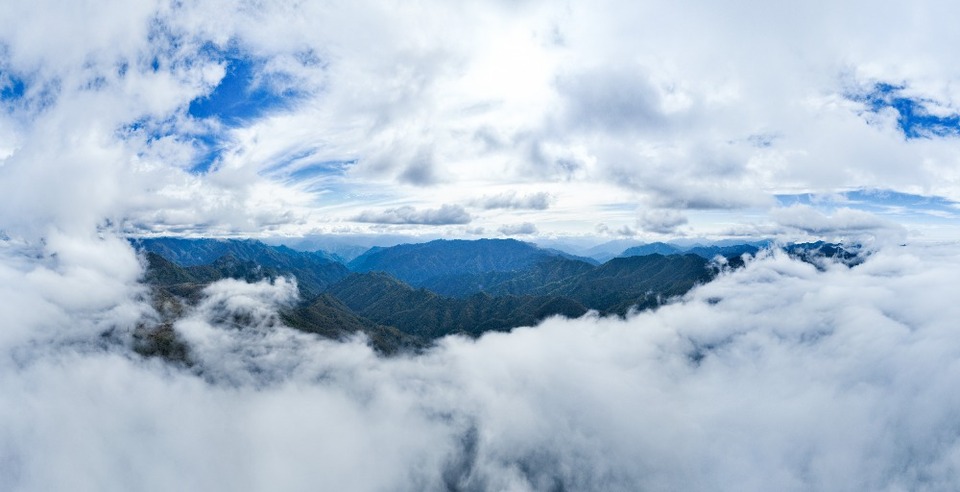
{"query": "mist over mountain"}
(314, 271)
(805, 368)
(523, 246)
(493, 291)
(706, 251)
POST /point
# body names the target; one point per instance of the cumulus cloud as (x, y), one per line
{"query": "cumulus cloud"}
(841, 381)
(661, 221)
(511, 200)
(624, 230)
(446, 214)
(524, 228)
(844, 222)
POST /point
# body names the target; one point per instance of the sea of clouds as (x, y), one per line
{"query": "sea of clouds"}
(777, 376)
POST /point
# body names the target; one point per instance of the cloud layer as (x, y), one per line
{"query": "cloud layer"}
(778, 375)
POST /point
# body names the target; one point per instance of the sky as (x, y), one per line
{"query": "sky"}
(645, 120)
(537, 120)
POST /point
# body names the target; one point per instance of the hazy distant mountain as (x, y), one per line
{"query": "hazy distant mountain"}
(313, 272)
(726, 251)
(652, 248)
(610, 249)
(345, 246)
(701, 247)
(423, 263)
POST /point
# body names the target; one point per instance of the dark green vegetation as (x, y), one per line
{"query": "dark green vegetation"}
(176, 287)
(438, 262)
(427, 315)
(314, 272)
(404, 297)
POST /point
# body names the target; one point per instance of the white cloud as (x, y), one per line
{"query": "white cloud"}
(839, 382)
(511, 200)
(625, 230)
(661, 221)
(524, 228)
(842, 223)
(446, 214)
(614, 99)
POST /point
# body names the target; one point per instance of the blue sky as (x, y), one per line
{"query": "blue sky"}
(313, 119)
(914, 118)
(883, 202)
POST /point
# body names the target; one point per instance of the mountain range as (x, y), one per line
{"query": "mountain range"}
(708, 251)
(403, 297)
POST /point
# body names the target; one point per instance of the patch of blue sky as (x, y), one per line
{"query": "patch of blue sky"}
(210, 147)
(914, 117)
(331, 193)
(207, 143)
(328, 177)
(26, 93)
(303, 163)
(321, 170)
(884, 202)
(308, 171)
(245, 93)
(12, 88)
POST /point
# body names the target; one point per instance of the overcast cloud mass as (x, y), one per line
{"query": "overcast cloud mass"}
(536, 119)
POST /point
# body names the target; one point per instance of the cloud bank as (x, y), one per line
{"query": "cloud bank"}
(446, 214)
(841, 380)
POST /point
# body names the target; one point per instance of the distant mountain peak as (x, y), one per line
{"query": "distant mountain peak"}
(419, 262)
